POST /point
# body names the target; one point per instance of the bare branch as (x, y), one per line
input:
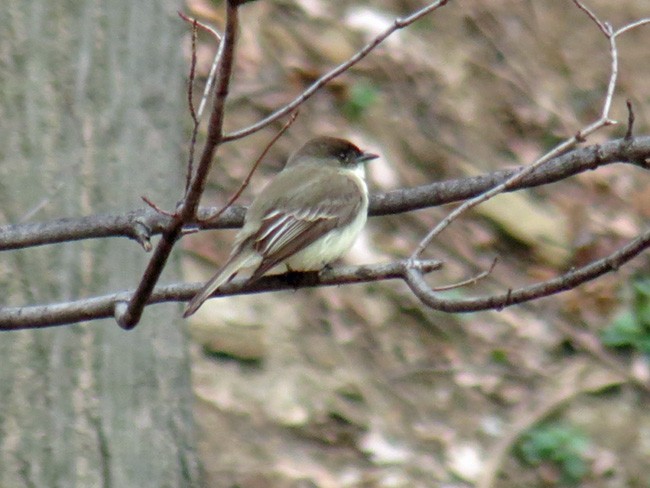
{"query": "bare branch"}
(39, 316)
(130, 225)
(567, 281)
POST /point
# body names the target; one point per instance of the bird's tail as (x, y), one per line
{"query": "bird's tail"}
(225, 274)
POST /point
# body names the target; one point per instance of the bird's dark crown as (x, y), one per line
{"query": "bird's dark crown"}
(329, 148)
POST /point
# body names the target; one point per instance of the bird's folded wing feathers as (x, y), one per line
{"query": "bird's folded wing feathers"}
(286, 231)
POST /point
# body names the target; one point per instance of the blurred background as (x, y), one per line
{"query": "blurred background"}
(363, 386)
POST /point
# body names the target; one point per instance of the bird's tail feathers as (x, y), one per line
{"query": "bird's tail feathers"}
(225, 274)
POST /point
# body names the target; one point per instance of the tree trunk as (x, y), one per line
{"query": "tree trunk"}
(91, 100)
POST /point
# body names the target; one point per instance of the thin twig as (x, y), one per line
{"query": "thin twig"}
(195, 119)
(399, 23)
(213, 69)
(209, 29)
(247, 180)
(470, 281)
(611, 86)
(212, 75)
(631, 26)
(156, 207)
(601, 25)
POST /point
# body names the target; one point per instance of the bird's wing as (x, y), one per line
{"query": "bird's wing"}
(290, 228)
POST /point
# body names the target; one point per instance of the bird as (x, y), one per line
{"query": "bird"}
(308, 216)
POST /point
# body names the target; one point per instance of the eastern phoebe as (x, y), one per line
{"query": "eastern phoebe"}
(306, 218)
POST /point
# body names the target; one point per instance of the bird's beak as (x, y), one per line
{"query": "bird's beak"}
(366, 156)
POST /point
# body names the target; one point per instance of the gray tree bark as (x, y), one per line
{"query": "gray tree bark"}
(91, 100)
